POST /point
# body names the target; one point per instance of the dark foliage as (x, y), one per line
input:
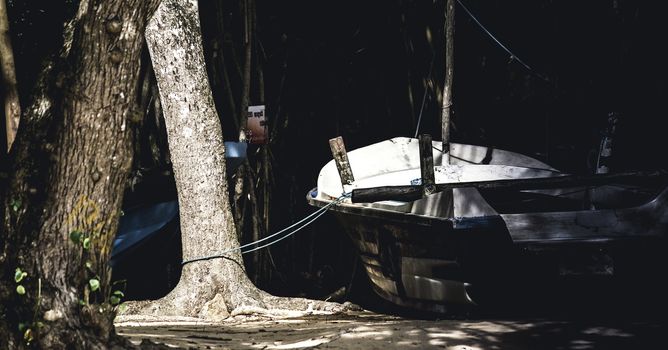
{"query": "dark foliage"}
(359, 69)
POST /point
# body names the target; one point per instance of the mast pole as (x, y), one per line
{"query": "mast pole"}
(447, 85)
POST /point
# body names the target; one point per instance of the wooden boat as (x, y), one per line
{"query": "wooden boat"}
(495, 208)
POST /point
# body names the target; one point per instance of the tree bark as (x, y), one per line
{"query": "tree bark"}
(71, 160)
(217, 287)
(12, 105)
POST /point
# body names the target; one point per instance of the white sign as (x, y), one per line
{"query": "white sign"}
(256, 131)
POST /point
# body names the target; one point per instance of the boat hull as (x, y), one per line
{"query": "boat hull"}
(430, 266)
(466, 246)
(451, 266)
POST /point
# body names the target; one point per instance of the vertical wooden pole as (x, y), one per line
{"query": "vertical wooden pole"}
(447, 86)
(220, 64)
(605, 149)
(341, 158)
(248, 6)
(427, 165)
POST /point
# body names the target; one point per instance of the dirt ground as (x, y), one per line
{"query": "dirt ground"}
(367, 330)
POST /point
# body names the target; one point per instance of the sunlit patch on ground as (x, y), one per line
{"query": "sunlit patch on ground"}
(374, 331)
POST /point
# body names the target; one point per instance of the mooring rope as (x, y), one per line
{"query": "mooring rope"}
(473, 17)
(424, 95)
(308, 220)
(498, 42)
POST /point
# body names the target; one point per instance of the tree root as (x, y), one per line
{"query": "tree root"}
(206, 293)
(288, 307)
(217, 308)
(186, 300)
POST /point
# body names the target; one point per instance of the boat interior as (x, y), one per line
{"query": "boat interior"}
(396, 162)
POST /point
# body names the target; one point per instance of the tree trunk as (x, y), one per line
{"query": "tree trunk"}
(12, 105)
(209, 288)
(71, 159)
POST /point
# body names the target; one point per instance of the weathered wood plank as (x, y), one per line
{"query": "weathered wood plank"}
(411, 192)
(427, 165)
(341, 158)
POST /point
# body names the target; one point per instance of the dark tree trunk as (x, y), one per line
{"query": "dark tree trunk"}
(71, 159)
(11, 94)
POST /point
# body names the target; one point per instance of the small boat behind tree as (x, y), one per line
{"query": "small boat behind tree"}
(489, 219)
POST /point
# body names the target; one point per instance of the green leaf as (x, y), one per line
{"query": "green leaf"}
(89, 265)
(20, 289)
(94, 284)
(82, 302)
(22, 327)
(27, 335)
(116, 297)
(19, 275)
(75, 236)
(122, 308)
(86, 243)
(16, 204)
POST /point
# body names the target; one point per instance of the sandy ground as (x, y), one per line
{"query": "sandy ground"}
(367, 330)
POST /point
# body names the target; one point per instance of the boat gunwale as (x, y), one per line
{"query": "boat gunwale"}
(651, 207)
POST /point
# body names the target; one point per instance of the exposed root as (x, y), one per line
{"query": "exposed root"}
(215, 310)
(287, 307)
(316, 306)
(207, 293)
(182, 301)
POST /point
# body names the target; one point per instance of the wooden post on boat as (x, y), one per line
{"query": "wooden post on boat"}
(427, 165)
(447, 85)
(341, 158)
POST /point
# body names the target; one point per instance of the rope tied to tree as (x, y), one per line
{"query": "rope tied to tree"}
(306, 220)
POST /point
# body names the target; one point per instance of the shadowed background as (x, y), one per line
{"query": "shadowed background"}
(361, 70)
